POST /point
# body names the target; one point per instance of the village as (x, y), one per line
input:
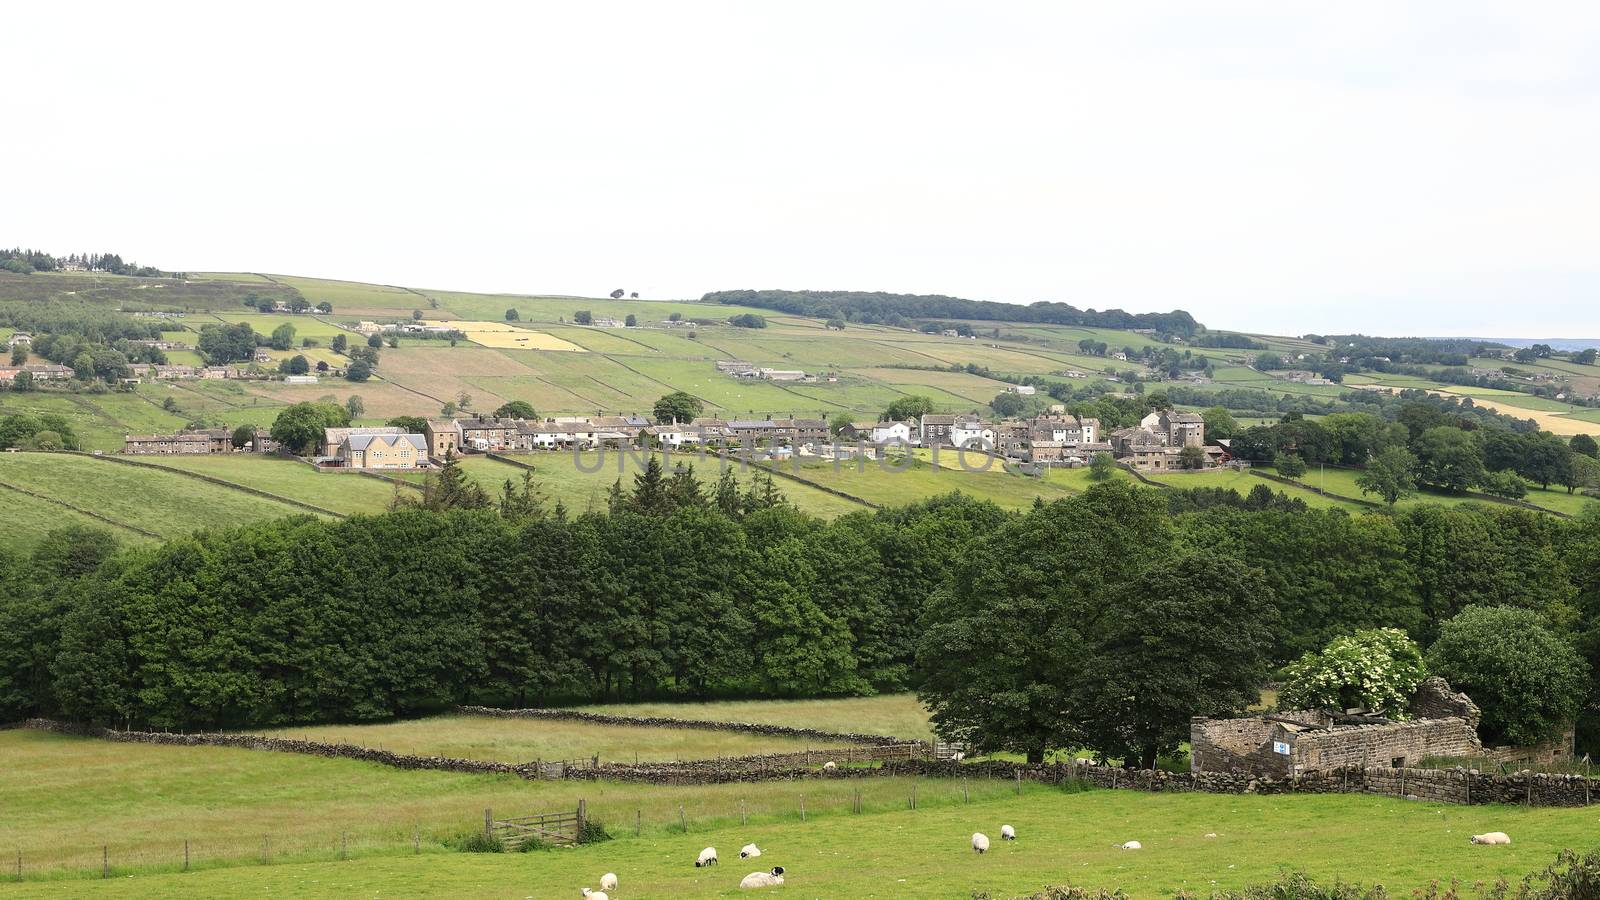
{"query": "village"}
(1164, 440)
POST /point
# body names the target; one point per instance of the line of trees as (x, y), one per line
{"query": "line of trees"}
(877, 307)
(26, 262)
(1103, 620)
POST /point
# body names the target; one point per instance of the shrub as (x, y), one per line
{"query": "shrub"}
(1062, 893)
(532, 844)
(479, 842)
(1297, 886)
(1376, 669)
(593, 833)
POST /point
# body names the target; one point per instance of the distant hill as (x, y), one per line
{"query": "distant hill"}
(1557, 343)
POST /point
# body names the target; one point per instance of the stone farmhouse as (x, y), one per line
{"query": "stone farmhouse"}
(1443, 723)
(42, 372)
(212, 440)
(382, 451)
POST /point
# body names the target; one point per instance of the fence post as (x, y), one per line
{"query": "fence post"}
(1018, 773)
(964, 797)
(416, 838)
(186, 856)
(802, 807)
(488, 821)
(344, 845)
(683, 821)
(744, 819)
(583, 819)
(105, 861)
(638, 822)
(1113, 779)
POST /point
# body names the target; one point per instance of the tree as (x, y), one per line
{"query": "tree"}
(222, 344)
(1289, 465)
(617, 294)
(22, 381)
(416, 315)
(340, 343)
(1011, 630)
(678, 406)
(1102, 466)
(583, 317)
(295, 365)
(282, 337)
(902, 409)
(1529, 683)
(1389, 475)
(463, 400)
(374, 340)
(1192, 458)
(447, 489)
(1220, 424)
(834, 324)
(1007, 404)
(243, 436)
(1376, 670)
(325, 308)
(412, 424)
(1585, 357)
(839, 423)
(632, 321)
(1580, 443)
(515, 409)
(299, 428)
(355, 406)
(747, 320)
(1447, 458)
(1504, 484)
(358, 370)
(512, 315)
(448, 409)
(1188, 637)
(19, 354)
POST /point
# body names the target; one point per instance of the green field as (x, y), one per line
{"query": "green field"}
(525, 740)
(167, 504)
(71, 796)
(1343, 481)
(1243, 483)
(894, 715)
(340, 492)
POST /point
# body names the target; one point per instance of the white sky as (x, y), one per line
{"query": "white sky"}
(1422, 168)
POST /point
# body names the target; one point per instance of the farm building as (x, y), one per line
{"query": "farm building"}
(214, 440)
(383, 451)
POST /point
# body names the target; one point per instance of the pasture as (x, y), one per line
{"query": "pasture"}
(892, 715)
(1343, 481)
(337, 491)
(239, 807)
(524, 740)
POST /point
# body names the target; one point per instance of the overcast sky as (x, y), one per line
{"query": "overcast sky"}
(1425, 168)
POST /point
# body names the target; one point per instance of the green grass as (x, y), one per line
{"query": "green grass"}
(342, 492)
(524, 740)
(894, 715)
(28, 519)
(1062, 838)
(1243, 482)
(166, 503)
(1343, 481)
(887, 487)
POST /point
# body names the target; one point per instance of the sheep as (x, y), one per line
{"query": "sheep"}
(773, 878)
(707, 857)
(1493, 837)
(749, 851)
(1211, 834)
(608, 881)
(980, 842)
(829, 766)
(595, 895)
(1133, 845)
(958, 756)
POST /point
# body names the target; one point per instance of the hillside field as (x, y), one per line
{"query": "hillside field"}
(238, 806)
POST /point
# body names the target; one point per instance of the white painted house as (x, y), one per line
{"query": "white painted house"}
(972, 433)
(884, 432)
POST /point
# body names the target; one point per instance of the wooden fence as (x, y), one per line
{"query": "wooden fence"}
(561, 829)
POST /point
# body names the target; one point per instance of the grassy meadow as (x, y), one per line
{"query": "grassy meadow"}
(893, 715)
(1343, 482)
(525, 740)
(237, 807)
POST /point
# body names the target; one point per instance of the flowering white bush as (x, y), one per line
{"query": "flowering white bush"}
(1377, 669)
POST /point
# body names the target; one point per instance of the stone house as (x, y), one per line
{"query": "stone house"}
(213, 440)
(444, 437)
(935, 429)
(333, 437)
(383, 451)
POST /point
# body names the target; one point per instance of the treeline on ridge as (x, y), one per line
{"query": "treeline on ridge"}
(877, 307)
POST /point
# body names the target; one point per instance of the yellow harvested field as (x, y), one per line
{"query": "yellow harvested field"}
(1555, 423)
(505, 336)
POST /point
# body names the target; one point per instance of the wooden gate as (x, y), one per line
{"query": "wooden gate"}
(563, 828)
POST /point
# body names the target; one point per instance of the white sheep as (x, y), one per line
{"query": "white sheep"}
(1211, 834)
(707, 857)
(608, 881)
(773, 878)
(595, 895)
(1007, 833)
(1493, 837)
(829, 766)
(980, 842)
(958, 756)
(1133, 845)
(749, 851)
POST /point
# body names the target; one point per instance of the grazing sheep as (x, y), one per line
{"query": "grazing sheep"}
(608, 881)
(1493, 837)
(749, 851)
(980, 842)
(707, 857)
(1007, 833)
(1211, 834)
(763, 879)
(958, 756)
(595, 895)
(1133, 845)
(829, 766)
